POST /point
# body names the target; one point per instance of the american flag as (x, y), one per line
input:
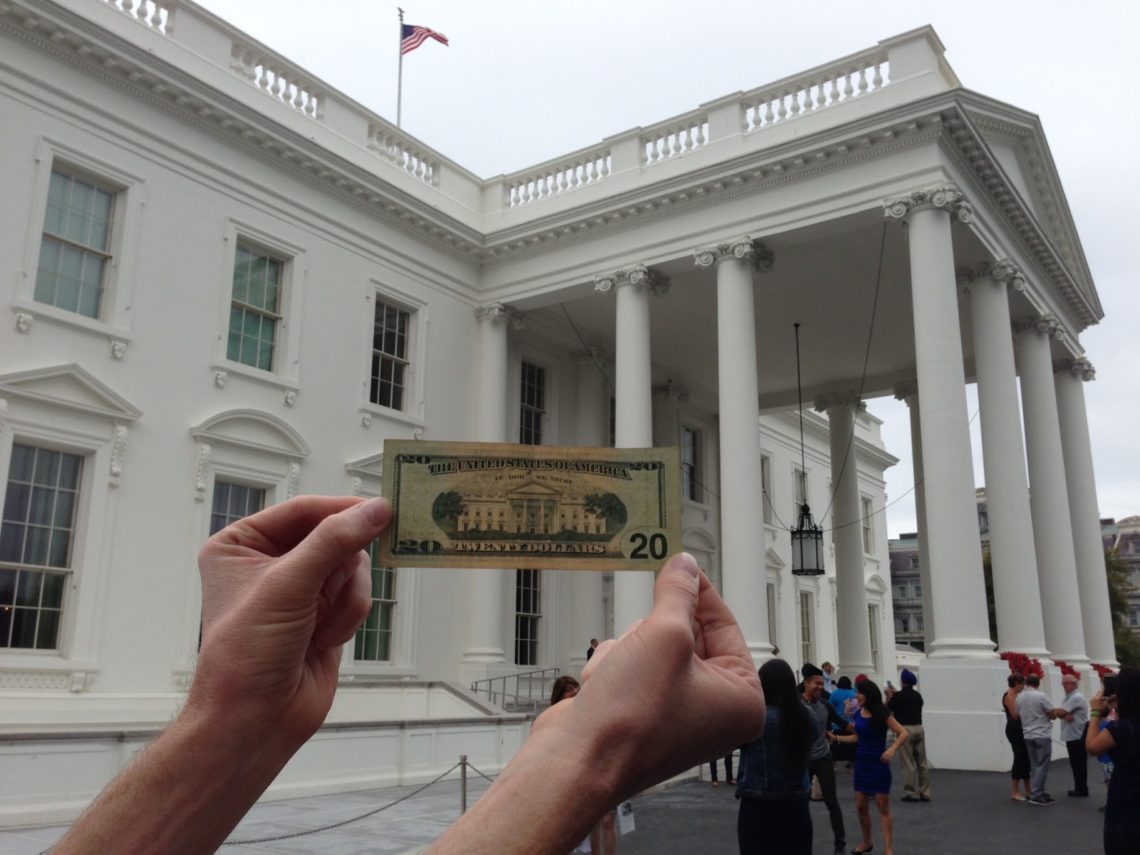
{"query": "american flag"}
(411, 37)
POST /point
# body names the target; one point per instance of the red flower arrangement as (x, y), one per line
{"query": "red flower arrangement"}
(1066, 668)
(1102, 670)
(1022, 663)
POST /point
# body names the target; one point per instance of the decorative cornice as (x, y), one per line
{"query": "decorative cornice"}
(501, 312)
(946, 198)
(1003, 270)
(639, 276)
(762, 258)
(1082, 368)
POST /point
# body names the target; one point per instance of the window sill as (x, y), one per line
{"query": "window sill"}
(364, 673)
(398, 416)
(44, 670)
(267, 378)
(51, 314)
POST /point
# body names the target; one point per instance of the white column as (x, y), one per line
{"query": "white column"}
(847, 533)
(1092, 579)
(1048, 501)
(591, 417)
(633, 404)
(1017, 595)
(486, 589)
(958, 590)
(741, 491)
(910, 395)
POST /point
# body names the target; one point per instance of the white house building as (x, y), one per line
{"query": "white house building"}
(229, 283)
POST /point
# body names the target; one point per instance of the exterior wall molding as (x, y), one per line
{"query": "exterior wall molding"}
(639, 275)
(945, 198)
(200, 466)
(762, 258)
(501, 312)
(118, 451)
(24, 321)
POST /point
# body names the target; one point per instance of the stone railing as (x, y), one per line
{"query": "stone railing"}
(851, 77)
(401, 150)
(553, 178)
(150, 13)
(674, 137)
(276, 78)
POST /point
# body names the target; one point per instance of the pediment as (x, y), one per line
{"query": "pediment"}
(533, 488)
(373, 466)
(70, 386)
(255, 430)
(772, 559)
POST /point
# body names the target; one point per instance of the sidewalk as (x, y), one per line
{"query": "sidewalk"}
(971, 812)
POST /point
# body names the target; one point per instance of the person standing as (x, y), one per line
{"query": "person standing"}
(906, 705)
(727, 770)
(828, 678)
(1120, 739)
(1074, 715)
(820, 766)
(873, 763)
(1019, 772)
(1036, 713)
(590, 650)
(772, 786)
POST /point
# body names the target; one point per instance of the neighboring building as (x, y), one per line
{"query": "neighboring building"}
(906, 591)
(229, 284)
(1123, 536)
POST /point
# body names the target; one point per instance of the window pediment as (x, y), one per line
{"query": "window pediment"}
(69, 386)
(252, 429)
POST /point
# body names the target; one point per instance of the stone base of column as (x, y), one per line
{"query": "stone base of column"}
(965, 727)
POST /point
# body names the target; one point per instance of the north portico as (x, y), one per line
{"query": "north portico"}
(637, 292)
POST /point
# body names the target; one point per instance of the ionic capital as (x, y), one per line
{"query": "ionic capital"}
(948, 198)
(1002, 270)
(837, 399)
(592, 355)
(669, 389)
(1080, 367)
(639, 275)
(762, 258)
(906, 391)
(1046, 325)
(500, 312)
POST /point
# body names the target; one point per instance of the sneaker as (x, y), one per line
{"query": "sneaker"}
(1043, 800)
(1077, 794)
(1049, 798)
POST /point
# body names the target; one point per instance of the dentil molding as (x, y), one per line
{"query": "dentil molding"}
(762, 258)
(947, 198)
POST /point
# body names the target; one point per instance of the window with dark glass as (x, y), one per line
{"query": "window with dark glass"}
(374, 639)
(528, 613)
(255, 309)
(389, 376)
(533, 405)
(691, 464)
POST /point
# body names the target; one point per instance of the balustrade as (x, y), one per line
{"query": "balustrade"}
(556, 178)
(157, 16)
(674, 139)
(818, 89)
(399, 150)
(287, 85)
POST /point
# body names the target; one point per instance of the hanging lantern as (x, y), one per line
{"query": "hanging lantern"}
(807, 537)
(807, 546)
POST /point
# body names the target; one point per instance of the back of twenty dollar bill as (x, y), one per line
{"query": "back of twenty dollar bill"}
(467, 504)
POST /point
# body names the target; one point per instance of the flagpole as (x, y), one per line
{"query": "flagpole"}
(400, 73)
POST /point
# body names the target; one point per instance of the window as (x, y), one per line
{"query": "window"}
(233, 502)
(37, 531)
(691, 473)
(873, 621)
(75, 249)
(868, 525)
(613, 421)
(904, 624)
(389, 379)
(917, 588)
(918, 623)
(528, 612)
(900, 592)
(766, 486)
(255, 307)
(807, 645)
(799, 491)
(772, 635)
(374, 639)
(533, 404)
(914, 561)
(1134, 617)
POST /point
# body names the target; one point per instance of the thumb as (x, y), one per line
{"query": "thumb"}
(675, 593)
(335, 541)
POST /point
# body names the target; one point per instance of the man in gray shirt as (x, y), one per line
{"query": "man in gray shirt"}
(819, 764)
(1037, 713)
(1074, 715)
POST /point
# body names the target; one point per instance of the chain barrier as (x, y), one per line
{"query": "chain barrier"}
(343, 822)
(480, 774)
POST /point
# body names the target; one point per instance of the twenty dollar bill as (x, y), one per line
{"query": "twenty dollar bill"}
(522, 506)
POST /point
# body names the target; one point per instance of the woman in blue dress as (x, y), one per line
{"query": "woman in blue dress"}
(873, 763)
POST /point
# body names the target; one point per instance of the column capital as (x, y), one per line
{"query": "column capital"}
(500, 312)
(669, 389)
(837, 399)
(906, 391)
(1002, 270)
(639, 275)
(762, 258)
(1082, 368)
(1045, 324)
(946, 198)
(594, 353)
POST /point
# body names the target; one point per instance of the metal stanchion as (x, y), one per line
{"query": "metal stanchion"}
(462, 784)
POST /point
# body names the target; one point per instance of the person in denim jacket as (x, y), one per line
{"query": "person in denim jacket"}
(772, 782)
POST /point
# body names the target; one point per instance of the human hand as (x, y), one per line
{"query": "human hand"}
(282, 590)
(647, 699)
(1097, 702)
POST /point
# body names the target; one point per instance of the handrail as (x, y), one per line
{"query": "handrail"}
(487, 686)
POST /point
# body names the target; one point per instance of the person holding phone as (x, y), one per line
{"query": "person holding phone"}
(1119, 739)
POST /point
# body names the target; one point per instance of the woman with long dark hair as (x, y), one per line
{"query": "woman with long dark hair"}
(873, 763)
(1020, 771)
(1121, 739)
(772, 784)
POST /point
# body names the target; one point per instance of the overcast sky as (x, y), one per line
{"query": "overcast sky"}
(526, 80)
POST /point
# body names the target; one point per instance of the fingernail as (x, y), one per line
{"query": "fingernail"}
(376, 511)
(689, 564)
